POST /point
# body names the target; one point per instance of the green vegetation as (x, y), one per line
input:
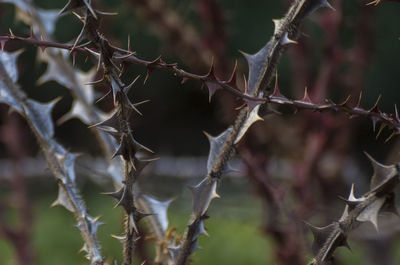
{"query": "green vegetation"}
(235, 231)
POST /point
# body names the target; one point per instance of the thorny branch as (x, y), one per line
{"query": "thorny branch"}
(59, 160)
(60, 70)
(308, 153)
(375, 114)
(222, 148)
(119, 125)
(261, 68)
(358, 210)
(390, 120)
(126, 56)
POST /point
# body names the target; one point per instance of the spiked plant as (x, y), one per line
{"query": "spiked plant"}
(60, 161)
(261, 71)
(376, 2)
(366, 208)
(60, 70)
(130, 156)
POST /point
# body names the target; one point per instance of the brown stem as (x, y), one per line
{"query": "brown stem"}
(126, 56)
(20, 236)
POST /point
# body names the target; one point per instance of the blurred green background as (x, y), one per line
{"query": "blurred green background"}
(235, 236)
(235, 233)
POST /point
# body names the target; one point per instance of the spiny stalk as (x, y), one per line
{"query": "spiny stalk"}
(222, 147)
(390, 120)
(126, 56)
(83, 101)
(366, 208)
(261, 67)
(118, 125)
(60, 69)
(59, 160)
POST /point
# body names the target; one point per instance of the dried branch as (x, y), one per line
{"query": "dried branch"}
(118, 126)
(376, 2)
(134, 155)
(391, 121)
(261, 67)
(357, 211)
(213, 83)
(126, 56)
(59, 160)
(60, 70)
